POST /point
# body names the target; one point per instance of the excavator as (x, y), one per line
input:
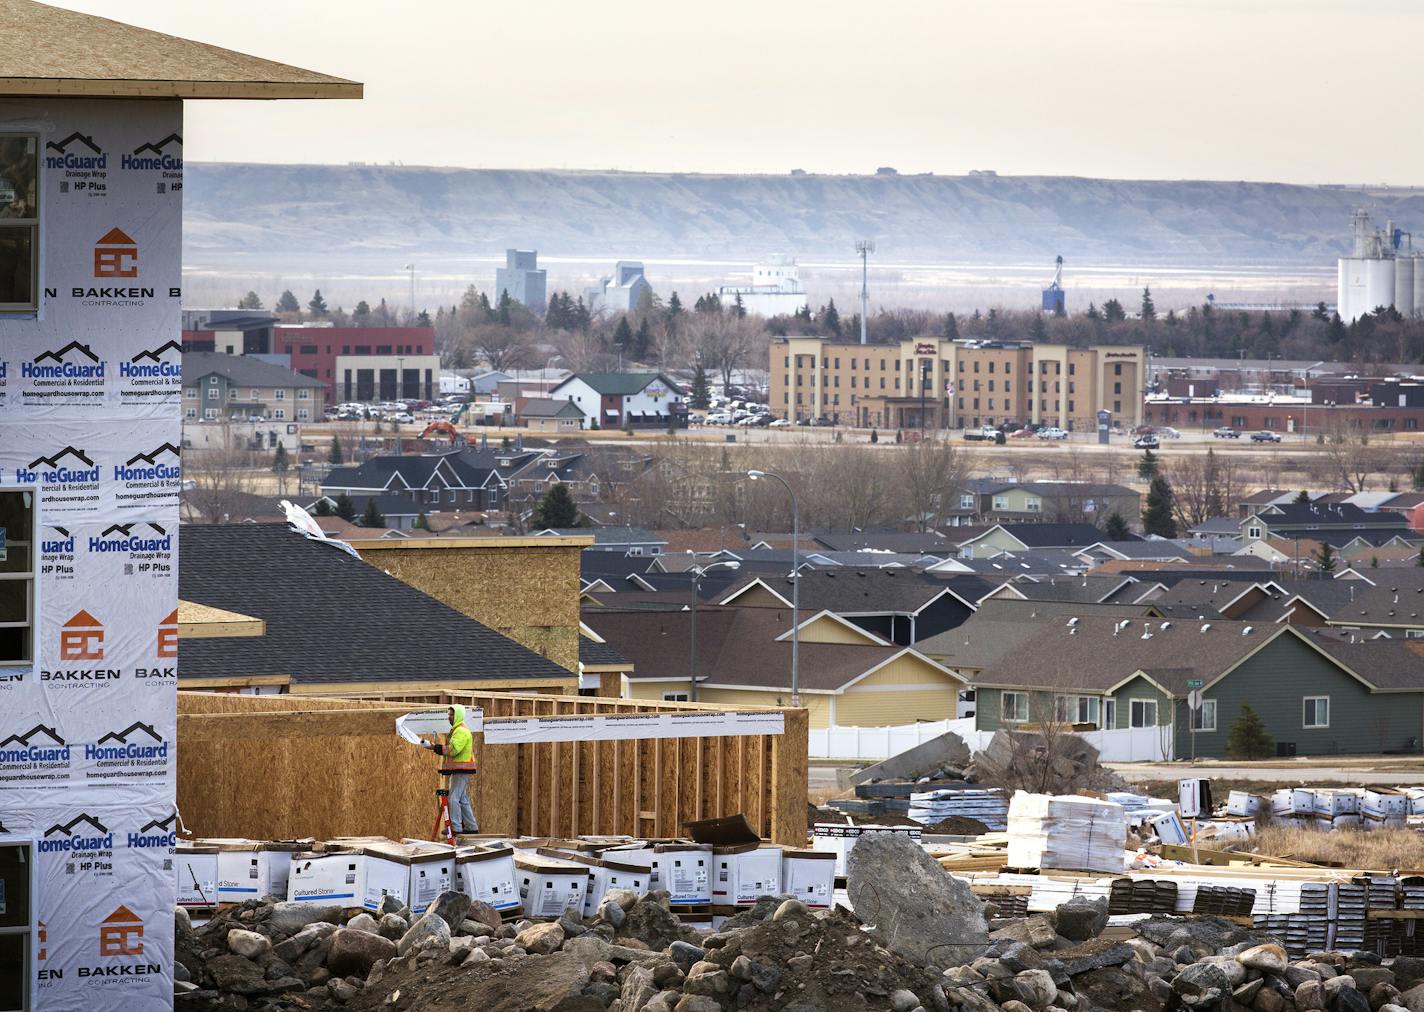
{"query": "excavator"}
(447, 428)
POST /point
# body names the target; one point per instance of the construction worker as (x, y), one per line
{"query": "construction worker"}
(459, 763)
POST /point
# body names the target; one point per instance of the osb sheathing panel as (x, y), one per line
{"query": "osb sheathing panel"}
(529, 594)
(284, 766)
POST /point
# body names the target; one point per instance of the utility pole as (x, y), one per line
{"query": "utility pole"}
(864, 247)
(413, 311)
(795, 583)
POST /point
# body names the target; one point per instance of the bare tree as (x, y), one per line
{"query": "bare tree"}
(1204, 486)
(502, 347)
(725, 342)
(1349, 456)
(222, 478)
(931, 471)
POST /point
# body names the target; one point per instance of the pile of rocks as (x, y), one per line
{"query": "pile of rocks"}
(920, 941)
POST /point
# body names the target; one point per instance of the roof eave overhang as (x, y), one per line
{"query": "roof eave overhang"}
(70, 87)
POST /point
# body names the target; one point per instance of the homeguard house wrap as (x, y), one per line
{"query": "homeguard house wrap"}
(91, 190)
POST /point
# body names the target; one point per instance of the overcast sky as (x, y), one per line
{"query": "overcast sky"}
(1290, 90)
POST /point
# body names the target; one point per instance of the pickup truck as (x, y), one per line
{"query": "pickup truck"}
(1265, 437)
(1052, 432)
(1225, 432)
(984, 432)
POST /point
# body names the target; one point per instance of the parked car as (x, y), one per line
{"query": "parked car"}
(1052, 432)
(778, 423)
(1147, 441)
(719, 418)
(823, 421)
(1265, 437)
(1024, 433)
(1169, 432)
(1226, 432)
(405, 418)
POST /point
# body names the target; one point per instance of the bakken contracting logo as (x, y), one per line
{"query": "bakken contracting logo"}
(81, 638)
(116, 255)
(121, 934)
(76, 152)
(168, 636)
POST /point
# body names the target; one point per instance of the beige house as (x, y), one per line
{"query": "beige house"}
(238, 387)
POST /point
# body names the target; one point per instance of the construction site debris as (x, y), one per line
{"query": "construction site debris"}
(1067, 831)
(1049, 761)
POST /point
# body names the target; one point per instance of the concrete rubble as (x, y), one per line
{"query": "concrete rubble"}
(921, 944)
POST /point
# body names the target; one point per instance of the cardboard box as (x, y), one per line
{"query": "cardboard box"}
(840, 839)
(487, 874)
(1293, 801)
(1383, 802)
(742, 875)
(413, 873)
(251, 869)
(1243, 804)
(685, 871)
(1331, 802)
(195, 869)
(809, 875)
(328, 877)
(605, 873)
(1169, 829)
(549, 886)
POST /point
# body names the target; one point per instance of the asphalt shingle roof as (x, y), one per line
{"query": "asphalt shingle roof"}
(619, 383)
(857, 590)
(331, 617)
(242, 370)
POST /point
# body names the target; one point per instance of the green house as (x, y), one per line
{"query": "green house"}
(1317, 694)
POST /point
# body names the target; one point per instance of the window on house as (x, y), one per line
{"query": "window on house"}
(1000, 502)
(1317, 711)
(1033, 504)
(303, 394)
(674, 697)
(17, 578)
(966, 502)
(1014, 707)
(1143, 713)
(303, 415)
(20, 223)
(190, 393)
(1253, 532)
(214, 393)
(190, 413)
(1204, 716)
(1109, 713)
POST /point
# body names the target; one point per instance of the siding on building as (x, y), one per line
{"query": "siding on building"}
(1276, 681)
(828, 630)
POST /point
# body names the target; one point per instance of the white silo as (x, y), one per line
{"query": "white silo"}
(1379, 285)
(1418, 306)
(1403, 285)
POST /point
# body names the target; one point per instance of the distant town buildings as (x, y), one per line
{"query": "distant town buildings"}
(240, 401)
(522, 278)
(1382, 271)
(622, 292)
(930, 382)
(776, 289)
(617, 400)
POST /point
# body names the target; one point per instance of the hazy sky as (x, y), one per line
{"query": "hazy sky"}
(1290, 90)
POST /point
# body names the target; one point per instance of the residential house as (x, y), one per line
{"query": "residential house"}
(238, 387)
(1315, 695)
(626, 399)
(1341, 524)
(1024, 537)
(544, 414)
(425, 483)
(848, 676)
(631, 541)
(1000, 502)
(335, 623)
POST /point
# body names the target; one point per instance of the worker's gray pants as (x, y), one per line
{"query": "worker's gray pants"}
(462, 813)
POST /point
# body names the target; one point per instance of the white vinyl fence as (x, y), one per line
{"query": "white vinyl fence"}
(1138, 744)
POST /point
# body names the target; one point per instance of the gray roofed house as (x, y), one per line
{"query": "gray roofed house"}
(217, 386)
(430, 483)
(334, 620)
(632, 541)
(1119, 588)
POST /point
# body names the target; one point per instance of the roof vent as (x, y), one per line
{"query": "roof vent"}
(1165, 626)
(1247, 630)
(1073, 621)
(1205, 626)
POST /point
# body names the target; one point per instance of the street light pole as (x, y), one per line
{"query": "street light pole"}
(697, 573)
(795, 584)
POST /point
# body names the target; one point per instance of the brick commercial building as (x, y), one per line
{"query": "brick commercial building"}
(930, 382)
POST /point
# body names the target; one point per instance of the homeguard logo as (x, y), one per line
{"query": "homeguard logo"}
(81, 639)
(153, 156)
(128, 541)
(39, 745)
(77, 151)
(151, 365)
(59, 469)
(137, 745)
(155, 833)
(116, 255)
(146, 466)
(81, 834)
(62, 545)
(74, 361)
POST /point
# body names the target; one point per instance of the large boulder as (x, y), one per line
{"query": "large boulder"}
(354, 951)
(288, 917)
(429, 926)
(1081, 918)
(234, 973)
(248, 943)
(452, 908)
(655, 925)
(916, 910)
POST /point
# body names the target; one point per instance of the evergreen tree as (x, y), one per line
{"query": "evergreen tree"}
(582, 318)
(701, 396)
(362, 314)
(288, 303)
(1147, 466)
(422, 319)
(372, 515)
(1113, 311)
(1325, 558)
(1093, 313)
(1337, 329)
(1116, 527)
(557, 509)
(1420, 560)
(422, 522)
(1039, 331)
(1302, 498)
(1149, 308)
(623, 337)
(951, 327)
(334, 456)
(874, 436)
(739, 309)
(317, 305)
(831, 319)
(1248, 738)
(642, 341)
(674, 305)
(501, 312)
(280, 461)
(1157, 515)
(250, 301)
(1320, 312)
(1419, 476)
(323, 507)
(345, 508)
